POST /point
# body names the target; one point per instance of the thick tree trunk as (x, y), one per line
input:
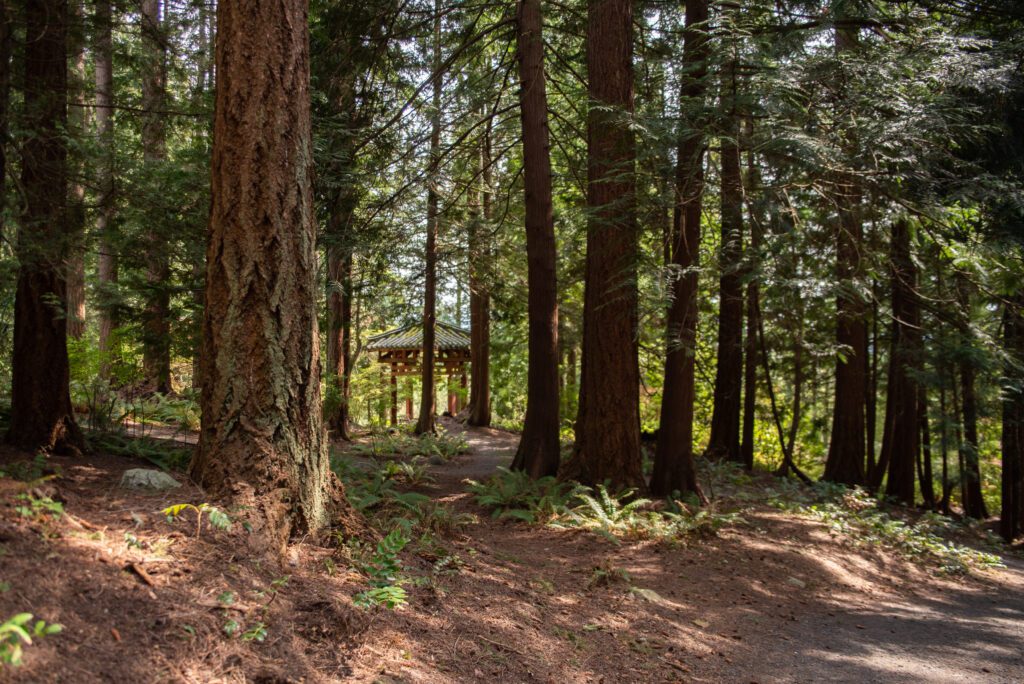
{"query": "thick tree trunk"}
(156, 348)
(847, 445)
(538, 452)
(425, 423)
(107, 258)
(1011, 517)
(724, 442)
(262, 442)
(674, 468)
(479, 411)
(974, 502)
(608, 424)
(41, 416)
(901, 433)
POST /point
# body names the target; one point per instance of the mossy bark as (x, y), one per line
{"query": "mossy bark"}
(262, 442)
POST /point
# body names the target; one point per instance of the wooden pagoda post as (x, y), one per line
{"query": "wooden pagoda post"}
(394, 394)
(462, 385)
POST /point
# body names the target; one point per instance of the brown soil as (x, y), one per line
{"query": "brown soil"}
(776, 600)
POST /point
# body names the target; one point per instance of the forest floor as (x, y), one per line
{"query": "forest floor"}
(781, 597)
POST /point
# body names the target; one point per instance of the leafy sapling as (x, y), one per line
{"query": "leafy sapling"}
(218, 518)
(17, 632)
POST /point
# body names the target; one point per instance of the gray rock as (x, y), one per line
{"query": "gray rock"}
(144, 478)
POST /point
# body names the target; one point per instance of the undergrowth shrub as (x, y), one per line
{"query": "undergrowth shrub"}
(161, 453)
(513, 494)
(399, 443)
(856, 514)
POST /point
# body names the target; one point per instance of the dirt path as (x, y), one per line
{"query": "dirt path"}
(779, 600)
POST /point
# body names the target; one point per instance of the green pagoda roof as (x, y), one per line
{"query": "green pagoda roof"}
(410, 336)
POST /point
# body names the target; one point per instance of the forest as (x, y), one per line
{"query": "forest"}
(535, 340)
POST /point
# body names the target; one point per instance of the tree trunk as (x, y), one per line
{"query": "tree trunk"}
(974, 502)
(608, 424)
(425, 423)
(673, 459)
(947, 487)
(847, 445)
(725, 418)
(750, 378)
(107, 259)
(78, 121)
(479, 411)
(925, 471)
(1011, 516)
(339, 322)
(6, 26)
(156, 350)
(871, 388)
(538, 452)
(262, 442)
(41, 415)
(901, 432)
(798, 383)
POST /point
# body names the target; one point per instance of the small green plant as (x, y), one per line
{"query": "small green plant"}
(390, 597)
(35, 507)
(17, 632)
(35, 472)
(132, 541)
(218, 518)
(384, 573)
(257, 632)
(606, 575)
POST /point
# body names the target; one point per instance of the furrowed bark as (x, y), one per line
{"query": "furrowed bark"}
(608, 425)
(848, 442)
(674, 467)
(425, 423)
(262, 442)
(538, 452)
(107, 258)
(41, 415)
(901, 434)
